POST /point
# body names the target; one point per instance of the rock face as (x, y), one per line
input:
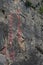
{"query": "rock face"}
(29, 22)
(3, 34)
(2, 59)
(34, 2)
(0, 5)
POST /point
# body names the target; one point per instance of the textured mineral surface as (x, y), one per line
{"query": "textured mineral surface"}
(21, 32)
